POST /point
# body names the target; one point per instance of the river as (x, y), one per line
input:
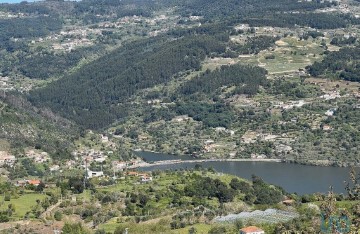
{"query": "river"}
(302, 179)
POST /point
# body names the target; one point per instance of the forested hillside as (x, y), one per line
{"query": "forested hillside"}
(343, 63)
(246, 79)
(93, 95)
(23, 125)
(167, 75)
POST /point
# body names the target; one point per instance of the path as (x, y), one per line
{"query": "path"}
(48, 211)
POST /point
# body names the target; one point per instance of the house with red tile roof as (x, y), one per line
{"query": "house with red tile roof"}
(132, 173)
(251, 230)
(34, 182)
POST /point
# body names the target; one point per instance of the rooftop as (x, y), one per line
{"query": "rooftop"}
(251, 229)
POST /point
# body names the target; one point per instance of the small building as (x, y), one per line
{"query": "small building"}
(132, 173)
(54, 168)
(92, 174)
(326, 127)
(21, 183)
(34, 182)
(251, 230)
(145, 179)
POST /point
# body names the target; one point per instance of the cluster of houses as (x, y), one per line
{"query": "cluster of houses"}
(289, 105)
(11, 15)
(6, 83)
(122, 165)
(90, 155)
(23, 183)
(37, 156)
(144, 177)
(7, 159)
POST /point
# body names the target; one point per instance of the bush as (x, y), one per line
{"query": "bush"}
(7, 197)
(217, 230)
(58, 216)
(75, 228)
(120, 230)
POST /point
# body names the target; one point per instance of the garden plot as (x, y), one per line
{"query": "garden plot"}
(267, 216)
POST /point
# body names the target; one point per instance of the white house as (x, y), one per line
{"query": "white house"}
(145, 179)
(54, 168)
(92, 174)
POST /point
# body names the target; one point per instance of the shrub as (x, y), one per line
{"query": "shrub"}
(58, 216)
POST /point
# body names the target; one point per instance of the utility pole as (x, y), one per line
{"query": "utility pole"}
(86, 171)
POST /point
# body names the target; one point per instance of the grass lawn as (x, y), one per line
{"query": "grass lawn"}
(22, 204)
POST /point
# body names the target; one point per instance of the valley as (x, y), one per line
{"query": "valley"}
(86, 87)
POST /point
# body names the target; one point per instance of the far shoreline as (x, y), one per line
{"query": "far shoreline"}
(318, 163)
(179, 161)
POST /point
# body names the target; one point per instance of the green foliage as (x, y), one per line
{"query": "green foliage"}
(246, 79)
(292, 89)
(51, 133)
(26, 28)
(256, 44)
(58, 216)
(265, 194)
(344, 63)
(234, 9)
(119, 75)
(75, 228)
(217, 230)
(338, 41)
(45, 65)
(212, 115)
(313, 20)
(207, 187)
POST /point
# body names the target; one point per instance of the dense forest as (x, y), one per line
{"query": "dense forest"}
(343, 63)
(44, 64)
(255, 44)
(110, 80)
(246, 79)
(313, 20)
(28, 27)
(234, 9)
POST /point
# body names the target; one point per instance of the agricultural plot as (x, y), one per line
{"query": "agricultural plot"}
(267, 216)
(289, 55)
(22, 204)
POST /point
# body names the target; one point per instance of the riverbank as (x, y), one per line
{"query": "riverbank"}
(176, 159)
(173, 162)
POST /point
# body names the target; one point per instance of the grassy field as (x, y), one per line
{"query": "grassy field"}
(161, 226)
(290, 55)
(22, 204)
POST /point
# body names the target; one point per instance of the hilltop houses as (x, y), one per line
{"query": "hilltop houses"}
(7, 159)
(38, 157)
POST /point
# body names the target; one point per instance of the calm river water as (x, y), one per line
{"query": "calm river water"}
(301, 179)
